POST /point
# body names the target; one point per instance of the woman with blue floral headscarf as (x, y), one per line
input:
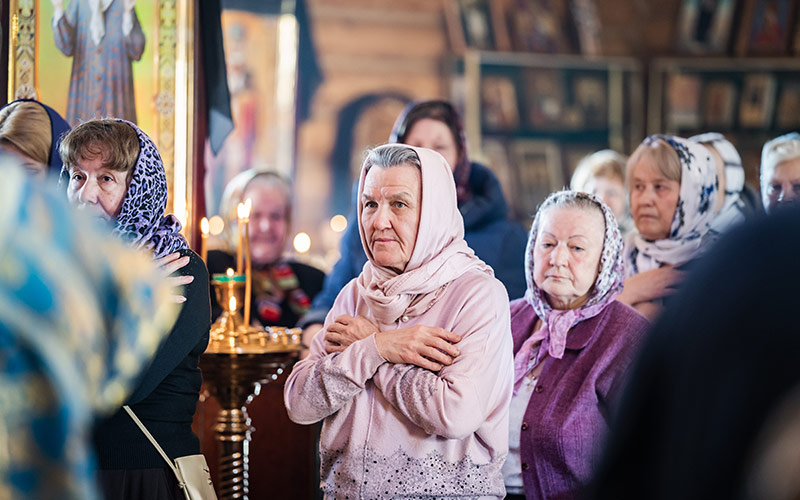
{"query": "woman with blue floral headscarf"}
(116, 174)
(573, 344)
(673, 190)
(80, 317)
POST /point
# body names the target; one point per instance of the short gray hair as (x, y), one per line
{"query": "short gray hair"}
(391, 155)
(778, 150)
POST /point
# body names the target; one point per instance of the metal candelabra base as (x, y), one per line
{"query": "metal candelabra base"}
(234, 372)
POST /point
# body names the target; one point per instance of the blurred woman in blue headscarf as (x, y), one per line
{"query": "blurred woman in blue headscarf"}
(80, 316)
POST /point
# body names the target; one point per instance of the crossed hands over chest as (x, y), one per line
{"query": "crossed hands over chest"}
(428, 347)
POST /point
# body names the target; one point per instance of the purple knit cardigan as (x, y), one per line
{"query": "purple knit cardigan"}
(568, 414)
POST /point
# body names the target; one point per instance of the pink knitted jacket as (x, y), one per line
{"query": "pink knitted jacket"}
(397, 430)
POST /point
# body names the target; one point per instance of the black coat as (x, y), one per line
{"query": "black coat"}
(722, 357)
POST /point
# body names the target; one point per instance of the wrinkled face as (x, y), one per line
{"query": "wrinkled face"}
(653, 201)
(566, 256)
(31, 166)
(390, 214)
(435, 135)
(611, 190)
(97, 189)
(269, 221)
(782, 186)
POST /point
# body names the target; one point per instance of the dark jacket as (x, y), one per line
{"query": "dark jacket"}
(166, 396)
(712, 374)
(495, 239)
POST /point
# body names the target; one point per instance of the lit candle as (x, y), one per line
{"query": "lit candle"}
(239, 246)
(244, 216)
(232, 309)
(204, 239)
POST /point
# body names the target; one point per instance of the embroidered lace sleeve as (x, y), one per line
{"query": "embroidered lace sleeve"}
(322, 384)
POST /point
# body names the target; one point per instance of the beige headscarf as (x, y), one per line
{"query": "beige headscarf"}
(440, 254)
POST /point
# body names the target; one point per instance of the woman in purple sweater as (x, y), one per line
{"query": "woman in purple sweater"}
(573, 344)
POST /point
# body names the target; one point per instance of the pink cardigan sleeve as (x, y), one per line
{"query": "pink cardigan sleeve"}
(455, 402)
(323, 383)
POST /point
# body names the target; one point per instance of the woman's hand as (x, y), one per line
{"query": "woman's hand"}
(307, 337)
(345, 330)
(428, 347)
(649, 310)
(171, 263)
(650, 285)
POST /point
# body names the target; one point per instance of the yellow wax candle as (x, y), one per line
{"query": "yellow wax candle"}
(204, 239)
(248, 275)
(239, 246)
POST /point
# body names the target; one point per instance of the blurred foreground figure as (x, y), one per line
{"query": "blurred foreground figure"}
(80, 316)
(695, 422)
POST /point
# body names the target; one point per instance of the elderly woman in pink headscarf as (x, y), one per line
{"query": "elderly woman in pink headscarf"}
(414, 384)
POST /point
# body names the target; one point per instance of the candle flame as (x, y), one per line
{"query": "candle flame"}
(204, 226)
(243, 209)
(232, 303)
(229, 272)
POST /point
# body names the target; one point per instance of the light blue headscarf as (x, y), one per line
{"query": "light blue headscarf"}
(80, 316)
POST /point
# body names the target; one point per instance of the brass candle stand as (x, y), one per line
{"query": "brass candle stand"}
(240, 358)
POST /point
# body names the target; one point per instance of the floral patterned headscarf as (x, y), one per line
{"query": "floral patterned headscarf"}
(557, 323)
(733, 208)
(693, 214)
